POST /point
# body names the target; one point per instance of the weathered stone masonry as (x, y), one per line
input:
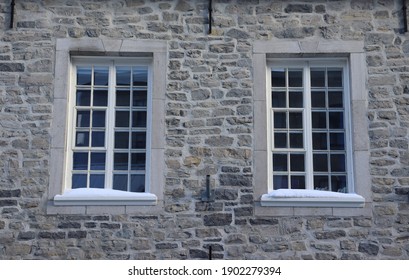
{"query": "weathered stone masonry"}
(209, 130)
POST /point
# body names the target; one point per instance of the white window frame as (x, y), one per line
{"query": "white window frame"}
(311, 202)
(61, 198)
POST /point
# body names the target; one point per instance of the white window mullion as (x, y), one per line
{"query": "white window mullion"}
(110, 133)
(308, 128)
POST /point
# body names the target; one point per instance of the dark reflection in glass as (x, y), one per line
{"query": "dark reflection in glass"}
(101, 75)
(279, 99)
(121, 119)
(321, 183)
(140, 98)
(100, 98)
(79, 181)
(98, 139)
(298, 182)
(295, 120)
(334, 78)
(336, 120)
(295, 78)
(317, 77)
(280, 120)
(319, 120)
(83, 118)
(339, 184)
(123, 98)
(338, 163)
(80, 161)
(97, 161)
(84, 75)
(137, 183)
(280, 140)
(140, 77)
(296, 99)
(121, 161)
(121, 140)
(138, 140)
(82, 139)
(120, 182)
(297, 162)
(123, 76)
(278, 77)
(98, 119)
(336, 141)
(138, 161)
(139, 119)
(97, 181)
(320, 162)
(280, 182)
(296, 140)
(319, 141)
(335, 99)
(280, 162)
(318, 99)
(83, 97)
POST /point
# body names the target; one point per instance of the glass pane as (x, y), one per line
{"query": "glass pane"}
(317, 77)
(83, 97)
(320, 162)
(98, 119)
(120, 182)
(295, 78)
(321, 183)
(297, 162)
(319, 120)
(97, 161)
(319, 141)
(296, 140)
(298, 182)
(334, 78)
(335, 99)
(97, 181)
(137, 183)
(100, 98)
(138, 140)
(296, 99)
(82, 139)
(121, 161)
(318, 99)
(123, 76)
(338, 163)
(139, 119)
(83, 118)
(339, 184)
(140, 98)
(280, 182)
(140, 77)
(279, 99)
(101, 75)
(280, 140)
(336, 120)
(123, 98)
(122, 119)
(80, 161)
(98, 139)
(84, 75)
(278, 77)
(295, 120)
(79, 181)
(280, 120)
(280, 162)
(336, 141)
(138, 161)
(121, 140)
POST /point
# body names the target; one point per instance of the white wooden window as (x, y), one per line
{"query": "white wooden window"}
(109, 129)
(310, 131)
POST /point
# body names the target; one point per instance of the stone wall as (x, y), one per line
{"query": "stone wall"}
(209, 128)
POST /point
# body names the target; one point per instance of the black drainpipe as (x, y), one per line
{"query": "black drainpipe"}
(12, 4)
(405, 16)
(210, 16)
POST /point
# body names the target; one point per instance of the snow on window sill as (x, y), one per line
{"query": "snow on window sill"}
(311, 198)
(83, 196)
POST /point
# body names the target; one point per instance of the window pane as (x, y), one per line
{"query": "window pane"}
(280, 162)
(123, 98)
(321, 183)
(121, 140)
(100, 75)
(120, 182)
(336, 120)
(83, 97)
(138, 140)
(280, 140)
(296, 120)
(79, 181)
(98, 139)
(278, 77)
(121, 161)
(297, 162)
(84, 76)
(280, 120)
(279, 99)
(140, 98)
(122, 119)
(137, 183)
(138, 161)
(334, 78)
(98, 119)
(140, 77)
(336, 141)
(139, 119)
(319, 141)
(295, 78)
(296, 99)
(80, 161)
(100, 98)
(82, 139)
(83, 118)
(97, 181)
(335, 99)
(296, 140)
(318, 99)
(320, 162)
(317, 77)
(280, 182)
(298, 182)
(319, 120)
(97, 161)
(123, 76)
(339, 184)
(338, 163)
